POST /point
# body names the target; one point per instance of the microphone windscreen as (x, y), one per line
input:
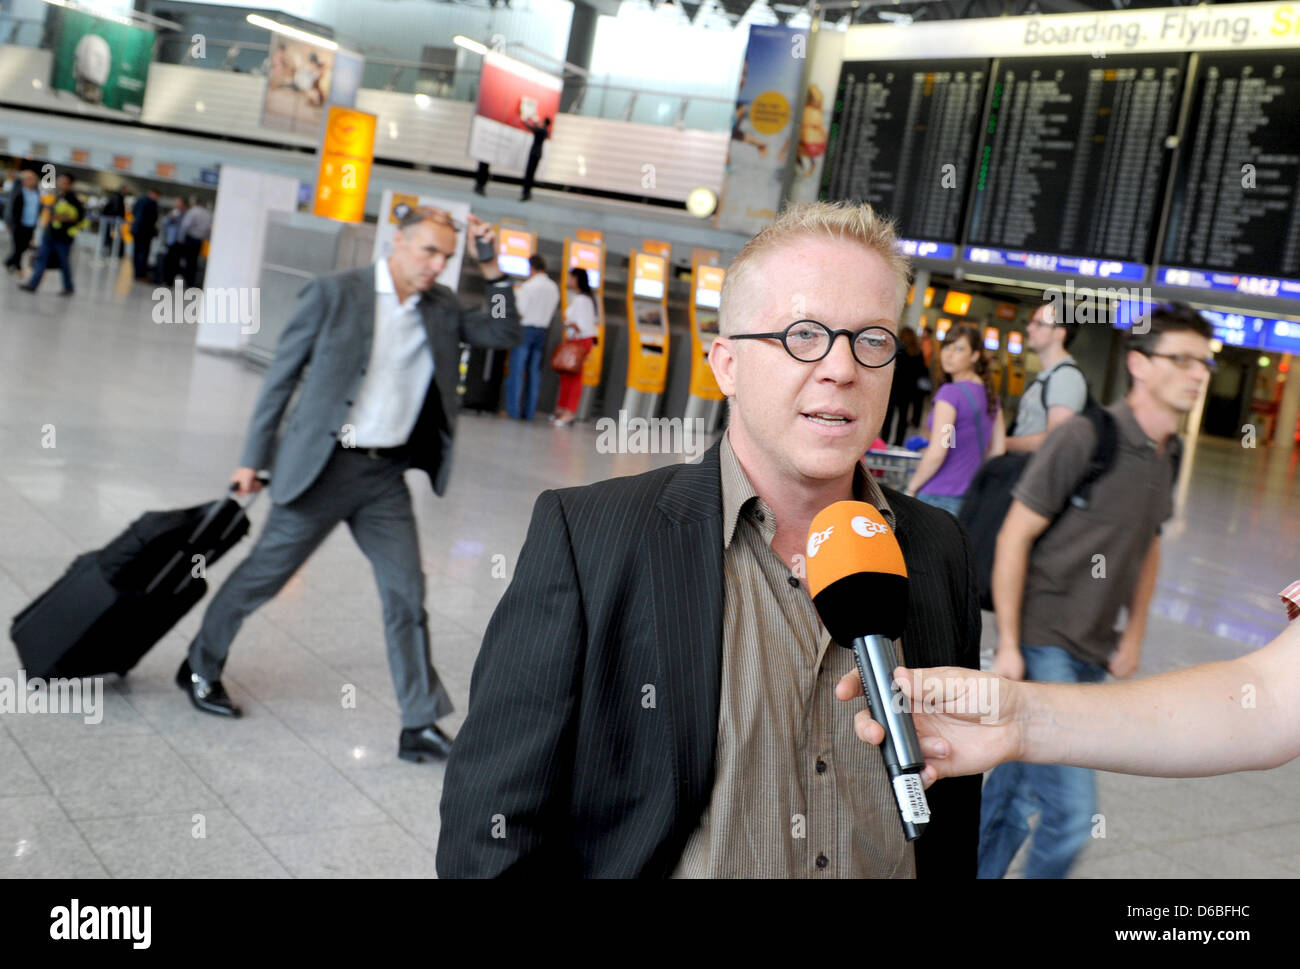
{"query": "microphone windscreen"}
(856, 572)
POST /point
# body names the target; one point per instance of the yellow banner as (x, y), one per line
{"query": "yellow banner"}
(346, 155)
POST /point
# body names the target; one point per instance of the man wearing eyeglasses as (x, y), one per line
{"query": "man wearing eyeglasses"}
(1059, 593)
(655, 695)
(381, 347)
(1058, 392)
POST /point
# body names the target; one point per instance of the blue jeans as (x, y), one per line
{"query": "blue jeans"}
(949, 503)
(526, 356)
(60, 250)
(1013, 793)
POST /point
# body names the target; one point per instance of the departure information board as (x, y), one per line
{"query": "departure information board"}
(1234, 222)
(1073, 163)
(902, 138)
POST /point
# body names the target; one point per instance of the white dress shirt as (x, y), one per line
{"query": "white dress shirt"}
(581, 312)
(196, 223)
(401, 365)
(536, 299)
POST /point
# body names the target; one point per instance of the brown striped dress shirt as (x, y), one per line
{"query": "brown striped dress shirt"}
(796, 793)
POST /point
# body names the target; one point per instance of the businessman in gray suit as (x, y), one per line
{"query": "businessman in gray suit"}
(379, 397)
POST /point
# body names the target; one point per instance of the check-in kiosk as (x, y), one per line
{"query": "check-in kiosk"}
(941, 327)
(647, 333)
(657, 248)
(1015, 363)
(709, 257)
(588, 254)
(514, 248)
(705, 399)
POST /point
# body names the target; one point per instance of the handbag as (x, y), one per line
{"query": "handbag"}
(569, 357)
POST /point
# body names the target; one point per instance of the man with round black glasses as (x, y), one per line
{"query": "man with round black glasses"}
(655, 695)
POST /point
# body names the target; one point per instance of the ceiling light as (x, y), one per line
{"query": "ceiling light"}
(701, 202)
(461, 40)
(257, 20)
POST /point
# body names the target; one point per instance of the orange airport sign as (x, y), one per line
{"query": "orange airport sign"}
(346, 155)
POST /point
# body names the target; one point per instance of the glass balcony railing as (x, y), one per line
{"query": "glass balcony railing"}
(584, 96)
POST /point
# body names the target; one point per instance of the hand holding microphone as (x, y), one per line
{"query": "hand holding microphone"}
(858, 582)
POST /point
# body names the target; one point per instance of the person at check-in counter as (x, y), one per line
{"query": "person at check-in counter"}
(654, 692)
(1189, 723)
(580, 324)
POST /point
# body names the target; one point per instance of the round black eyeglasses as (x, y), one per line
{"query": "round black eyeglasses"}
(809, 341)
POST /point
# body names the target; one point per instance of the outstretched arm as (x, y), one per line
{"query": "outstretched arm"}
(1216, 718)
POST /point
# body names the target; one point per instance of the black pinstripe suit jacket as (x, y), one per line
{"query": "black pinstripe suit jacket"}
(593, 718)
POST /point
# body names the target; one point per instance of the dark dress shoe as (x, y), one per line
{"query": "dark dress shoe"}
(417, 743)
(206, 695)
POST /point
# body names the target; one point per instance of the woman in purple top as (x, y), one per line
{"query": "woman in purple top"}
(965, 424)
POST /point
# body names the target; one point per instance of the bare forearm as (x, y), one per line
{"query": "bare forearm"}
(1140, 603)
(1010, 564)
(1026, 442)
(1210, 719)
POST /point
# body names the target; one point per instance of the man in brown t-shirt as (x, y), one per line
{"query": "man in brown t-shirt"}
(1066, 569)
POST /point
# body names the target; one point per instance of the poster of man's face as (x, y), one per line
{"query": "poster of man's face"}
(298, 87)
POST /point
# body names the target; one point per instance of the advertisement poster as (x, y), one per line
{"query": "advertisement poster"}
(511, 96)
(297, 87)
(100, 61)
(764, 129)
(824, 56)
(396, 204)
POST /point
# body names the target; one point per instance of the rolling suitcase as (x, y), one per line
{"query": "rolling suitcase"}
(114, 604)
(484, 377)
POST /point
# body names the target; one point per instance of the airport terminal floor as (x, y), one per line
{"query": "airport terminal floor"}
(302, 786)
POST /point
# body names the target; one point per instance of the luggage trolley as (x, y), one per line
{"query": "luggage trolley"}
(892, 466)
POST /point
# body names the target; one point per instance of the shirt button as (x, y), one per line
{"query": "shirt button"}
(821, 766)
(794, 583)
(758, 516)
(822, 861)
(349, 403)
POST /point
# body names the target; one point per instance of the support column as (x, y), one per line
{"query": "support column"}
(1288, 409)
(912, 312)
(582, 41)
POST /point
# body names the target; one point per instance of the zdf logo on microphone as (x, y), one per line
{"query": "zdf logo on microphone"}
(816, 538)
(865, 527)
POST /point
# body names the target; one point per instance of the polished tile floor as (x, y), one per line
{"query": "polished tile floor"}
(304, 786)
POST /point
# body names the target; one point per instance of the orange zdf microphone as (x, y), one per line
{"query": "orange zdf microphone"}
(858, 582)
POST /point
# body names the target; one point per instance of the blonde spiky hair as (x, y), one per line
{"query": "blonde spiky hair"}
(833, 220)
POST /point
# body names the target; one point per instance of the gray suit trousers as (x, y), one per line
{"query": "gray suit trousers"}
(370, 494)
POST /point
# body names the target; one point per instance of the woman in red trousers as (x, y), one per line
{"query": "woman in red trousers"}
(579, 324)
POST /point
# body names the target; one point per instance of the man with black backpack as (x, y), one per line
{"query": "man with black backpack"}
(1079, 546)
(1059, 391)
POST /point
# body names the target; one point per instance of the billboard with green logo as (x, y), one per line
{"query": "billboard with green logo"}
(101, 61)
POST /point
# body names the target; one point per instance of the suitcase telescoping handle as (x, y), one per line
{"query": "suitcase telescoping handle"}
(215, 509)
(208, 518)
